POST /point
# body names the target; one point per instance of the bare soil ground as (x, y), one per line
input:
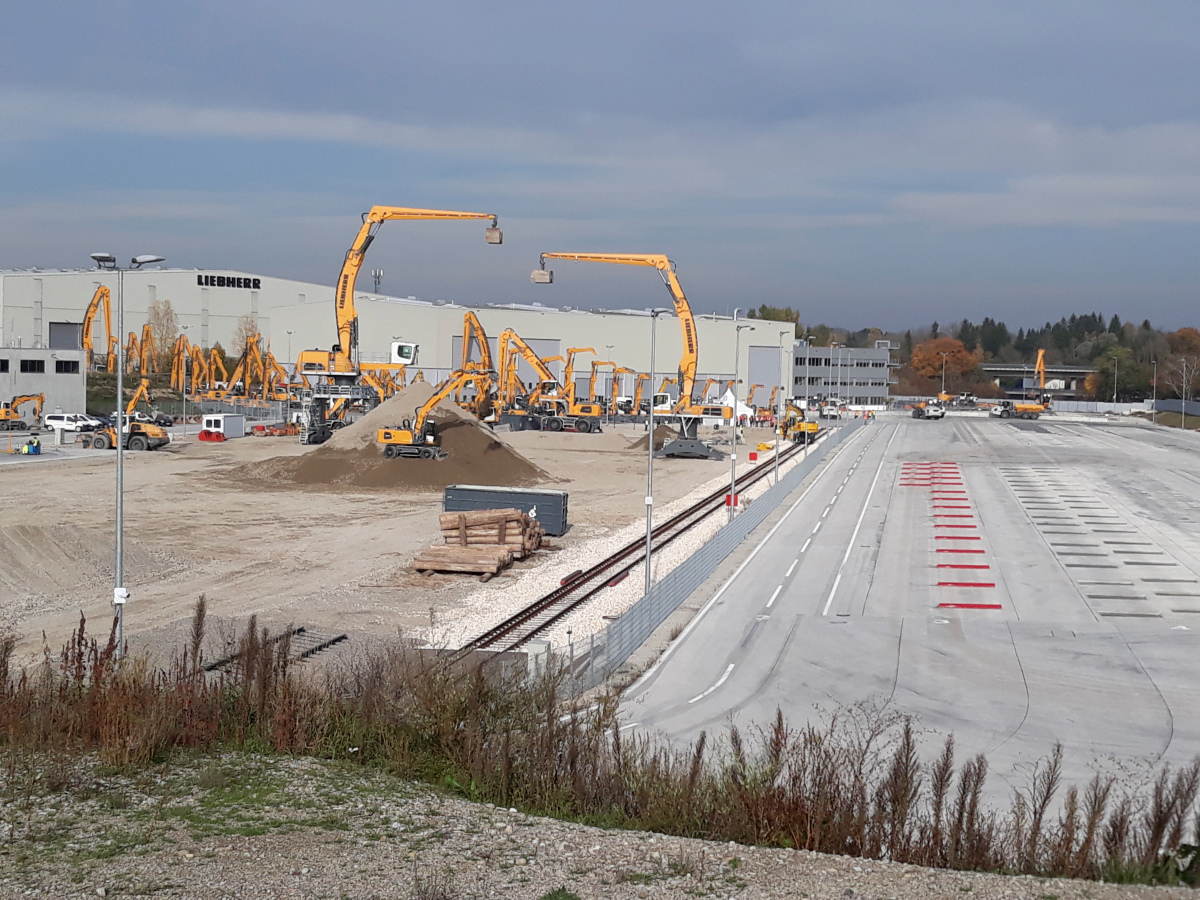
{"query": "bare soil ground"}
(330, 556)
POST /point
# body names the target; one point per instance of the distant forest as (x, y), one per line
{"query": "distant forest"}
(1110, 345)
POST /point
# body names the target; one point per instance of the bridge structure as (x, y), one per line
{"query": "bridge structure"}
(1017, 379)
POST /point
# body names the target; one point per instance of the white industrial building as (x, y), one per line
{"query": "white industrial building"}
(45, 308)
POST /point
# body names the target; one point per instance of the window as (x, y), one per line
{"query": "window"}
(66, 366)
(3, 365)
(33, 365)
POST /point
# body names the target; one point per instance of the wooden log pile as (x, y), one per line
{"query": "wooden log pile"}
(482, 542)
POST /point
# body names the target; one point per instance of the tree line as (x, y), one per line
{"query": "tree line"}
(1126, 355)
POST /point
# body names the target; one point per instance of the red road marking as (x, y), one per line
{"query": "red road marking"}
(960, 566)
(951, 525)
(970, 606)
(953, 515)
(966, 584)
(956, 537)
(947, 506)
(957, 550)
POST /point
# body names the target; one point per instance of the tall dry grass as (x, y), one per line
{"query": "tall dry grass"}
(853, 784)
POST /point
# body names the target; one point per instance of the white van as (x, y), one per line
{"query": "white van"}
(71, 421)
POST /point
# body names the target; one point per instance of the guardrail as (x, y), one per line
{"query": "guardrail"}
(609, 648)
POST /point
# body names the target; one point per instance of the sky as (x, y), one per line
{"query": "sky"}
(867, 163)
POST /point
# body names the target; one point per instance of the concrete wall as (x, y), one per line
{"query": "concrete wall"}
(64, 391)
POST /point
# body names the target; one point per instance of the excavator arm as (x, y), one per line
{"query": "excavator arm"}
(344, 358)
(102, 299)
(472, 329)
(142, 393)
(596, 366)
(683, 310)
(1040, 369)
(448, 387)
(510, 339)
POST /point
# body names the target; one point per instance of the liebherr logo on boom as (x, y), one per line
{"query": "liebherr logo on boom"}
(342, 291)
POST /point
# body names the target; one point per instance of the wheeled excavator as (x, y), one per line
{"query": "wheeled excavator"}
(138, 435)
(10, 412)
(687, 410)
(419, 438)
(339, 367)
(102, 299)
(550, 406)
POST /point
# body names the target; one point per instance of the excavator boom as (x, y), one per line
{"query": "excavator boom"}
(683, 310)
(102, 299)
(473, 330)
(344, 358)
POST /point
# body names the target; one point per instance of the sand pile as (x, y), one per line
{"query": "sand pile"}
(351, 457)
(662, 434)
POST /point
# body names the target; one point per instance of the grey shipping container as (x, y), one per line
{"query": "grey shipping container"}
(548, 507)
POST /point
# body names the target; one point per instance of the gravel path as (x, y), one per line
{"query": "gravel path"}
(245, 826)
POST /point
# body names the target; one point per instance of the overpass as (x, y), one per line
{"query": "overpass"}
(1063, 382)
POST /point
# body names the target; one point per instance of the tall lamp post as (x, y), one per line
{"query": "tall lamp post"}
(807, 392)
(781, 401)
(737, 350)
(1116, 363)
(120, 595)
(654, 314)
(186, 363)
(1154, 396)
(944, 353)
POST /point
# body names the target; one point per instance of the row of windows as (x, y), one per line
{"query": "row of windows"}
(38, 366)
(846, 383)
(842, 363)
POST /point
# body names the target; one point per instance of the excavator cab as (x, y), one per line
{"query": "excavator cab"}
(404, 353)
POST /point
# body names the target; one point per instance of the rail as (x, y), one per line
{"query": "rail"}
(581, 587)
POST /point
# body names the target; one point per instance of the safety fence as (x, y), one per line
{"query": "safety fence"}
(605, 652)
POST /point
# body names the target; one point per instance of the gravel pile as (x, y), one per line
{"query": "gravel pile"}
(247, 827)
(490, 604)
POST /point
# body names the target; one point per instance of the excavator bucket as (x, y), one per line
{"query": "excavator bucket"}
(542, 276)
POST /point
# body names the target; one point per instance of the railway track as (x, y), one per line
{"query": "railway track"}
(580, 587)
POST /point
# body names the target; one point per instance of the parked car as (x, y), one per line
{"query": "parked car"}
(162, 420)
(71, 421)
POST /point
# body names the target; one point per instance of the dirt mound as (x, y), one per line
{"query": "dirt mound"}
(662, 434)
(351, 458)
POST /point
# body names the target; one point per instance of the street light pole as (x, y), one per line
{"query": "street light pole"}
(1154, 396)
(779, 404)
(1116, 363)
(737, 350)
(654, 314)
(944, 353)
(120, 594)
(186, 362)
(807, 391)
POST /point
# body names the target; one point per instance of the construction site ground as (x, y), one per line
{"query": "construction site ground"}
(330, 557)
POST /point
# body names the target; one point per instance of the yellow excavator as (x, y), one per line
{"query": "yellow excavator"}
(550, 406)
(687, 409)
(597, 365)
(1025, 409)
(340, 364)
(139, 355)
(616, 404)
(102, 299)
(10, 413)
(473, 332)
(419, 438)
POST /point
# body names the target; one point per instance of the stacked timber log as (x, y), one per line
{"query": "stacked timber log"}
(482, 542)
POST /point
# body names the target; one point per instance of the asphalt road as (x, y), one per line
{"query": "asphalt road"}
(1015, 583)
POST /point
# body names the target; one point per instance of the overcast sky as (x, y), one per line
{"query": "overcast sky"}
(867, 163)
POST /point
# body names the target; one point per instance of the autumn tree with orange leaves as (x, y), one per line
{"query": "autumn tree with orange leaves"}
(927, 359)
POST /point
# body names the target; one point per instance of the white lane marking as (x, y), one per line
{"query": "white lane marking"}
(720, 681)
(824, 514)
(792, 567)
(629, 725)
(774, 597)
(858, 525)
(632, 690)
(839, 490)
(815, 530)
(805, 547)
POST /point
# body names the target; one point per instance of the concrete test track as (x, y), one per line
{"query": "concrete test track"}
(1015, 583)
